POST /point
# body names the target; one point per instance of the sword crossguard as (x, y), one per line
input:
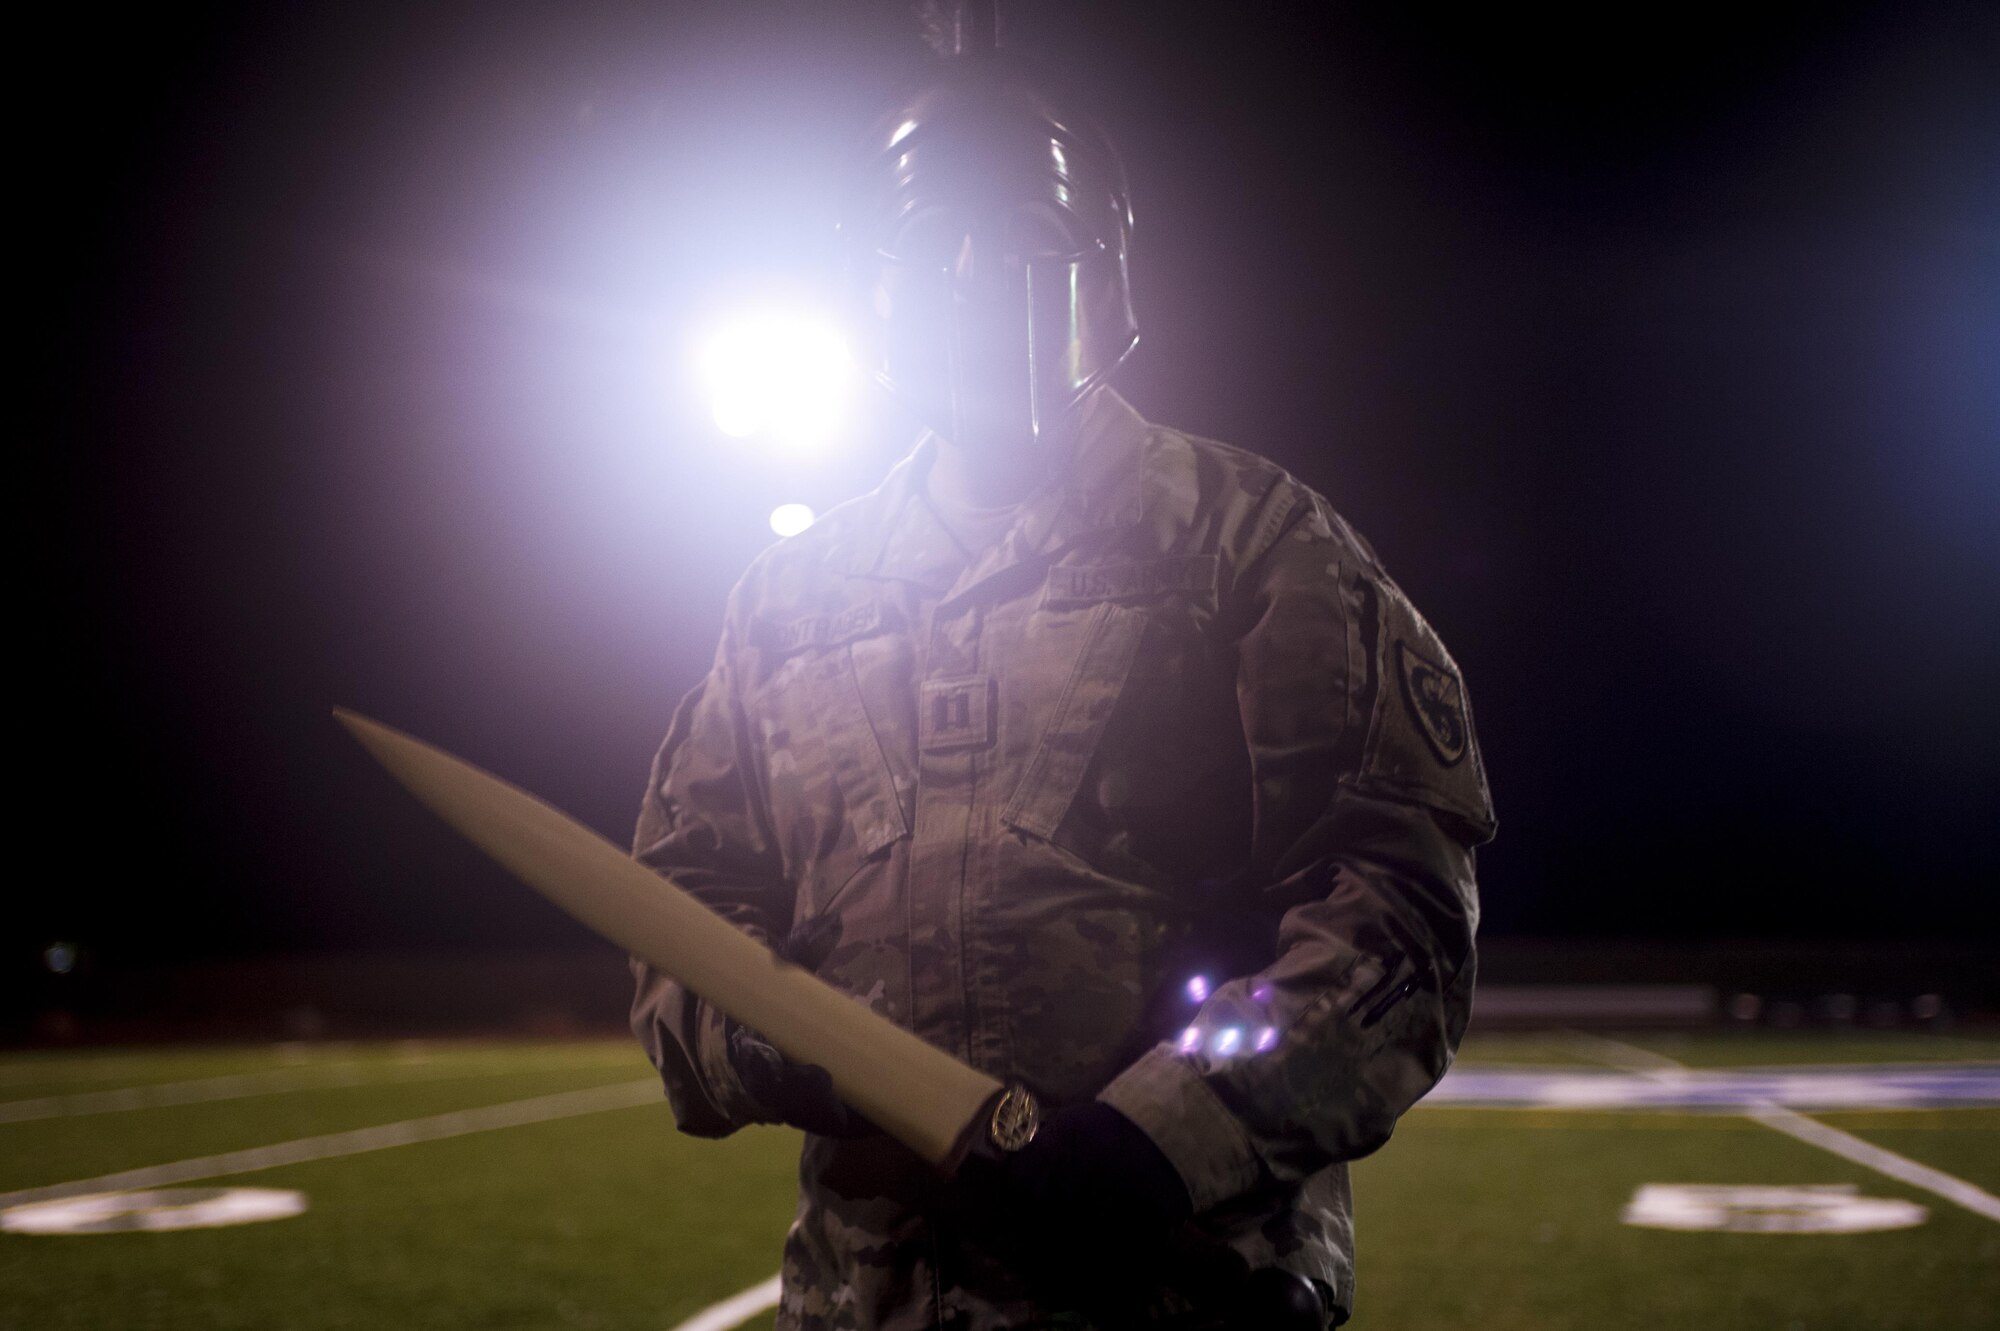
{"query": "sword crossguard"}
(1015, 1118)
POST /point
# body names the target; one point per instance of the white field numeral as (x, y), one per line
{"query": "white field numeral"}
(1825, 1208)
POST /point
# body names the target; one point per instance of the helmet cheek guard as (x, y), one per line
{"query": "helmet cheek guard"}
(988, 336)
(1082, 325)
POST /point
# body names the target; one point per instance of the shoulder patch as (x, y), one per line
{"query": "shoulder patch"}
(1436, 701)
(1421, 744)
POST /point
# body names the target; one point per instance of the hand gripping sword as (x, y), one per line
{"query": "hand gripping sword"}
(915, 1092)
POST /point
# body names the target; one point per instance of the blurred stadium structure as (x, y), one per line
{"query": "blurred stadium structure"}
(1524, 984)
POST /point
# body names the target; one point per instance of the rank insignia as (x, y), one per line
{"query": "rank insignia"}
(957, 713)
(1436, 700)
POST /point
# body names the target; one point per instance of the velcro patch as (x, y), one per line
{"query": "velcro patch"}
(1436, 701)
(813, 631)
(1087, 584)
(957, 713)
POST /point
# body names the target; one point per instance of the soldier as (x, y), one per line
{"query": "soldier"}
(1105, 757)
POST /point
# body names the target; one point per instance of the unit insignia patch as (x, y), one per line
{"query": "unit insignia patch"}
(1436, 700)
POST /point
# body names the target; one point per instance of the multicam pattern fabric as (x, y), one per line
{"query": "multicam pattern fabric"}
(1178, 722)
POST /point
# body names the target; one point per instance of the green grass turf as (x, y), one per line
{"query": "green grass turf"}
(607, 1220)
(32, 1075)
(1475, 1219)
(59, 1149)
(1470, 1218)
(1962, 1142)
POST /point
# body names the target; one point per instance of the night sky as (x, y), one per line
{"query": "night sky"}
(1660, 360)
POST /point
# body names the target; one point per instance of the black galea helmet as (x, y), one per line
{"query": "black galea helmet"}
(986, 227)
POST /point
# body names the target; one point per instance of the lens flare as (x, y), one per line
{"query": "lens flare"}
(1197, 989)
(785, 377)
(1190, 1039)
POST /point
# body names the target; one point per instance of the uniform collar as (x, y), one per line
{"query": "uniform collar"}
(1098, 491)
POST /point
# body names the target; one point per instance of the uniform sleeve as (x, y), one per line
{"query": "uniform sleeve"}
(1369, 799)
(703, 826)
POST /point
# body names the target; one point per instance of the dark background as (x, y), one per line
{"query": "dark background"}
(1658, 354)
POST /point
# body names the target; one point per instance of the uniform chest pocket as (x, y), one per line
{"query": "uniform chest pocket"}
(1121, 601)
(854, 753)
(819, 735)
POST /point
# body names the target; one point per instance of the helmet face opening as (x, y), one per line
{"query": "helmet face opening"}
(987, 236)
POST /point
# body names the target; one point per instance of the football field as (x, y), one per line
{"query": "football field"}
(1840, 1180)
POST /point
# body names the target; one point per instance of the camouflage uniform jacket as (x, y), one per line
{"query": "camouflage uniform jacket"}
(1179, 715)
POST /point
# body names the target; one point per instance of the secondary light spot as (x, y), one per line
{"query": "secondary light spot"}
(1190, 1039)
(791, 519)
(60, 957)
(1197, 989)
(1267, 1039)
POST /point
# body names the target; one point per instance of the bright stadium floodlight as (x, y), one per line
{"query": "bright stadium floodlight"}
(786, 377)
(791, 519)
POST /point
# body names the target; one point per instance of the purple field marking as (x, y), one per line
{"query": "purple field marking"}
(1915, 1086)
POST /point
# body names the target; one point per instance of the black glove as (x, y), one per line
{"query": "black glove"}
(1092, 1215)
(798, 1094)
(1084, 1213)
(1277, 1300)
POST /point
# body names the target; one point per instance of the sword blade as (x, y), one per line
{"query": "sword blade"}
(913, 1091)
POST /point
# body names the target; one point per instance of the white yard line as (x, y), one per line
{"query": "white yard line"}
(734, 1310)
(1849, 1147)
(238, 1085)
(513, 1113)
(1808, 1130)
(196, 1091)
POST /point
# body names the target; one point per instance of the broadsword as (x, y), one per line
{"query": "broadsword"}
(933, 1103)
